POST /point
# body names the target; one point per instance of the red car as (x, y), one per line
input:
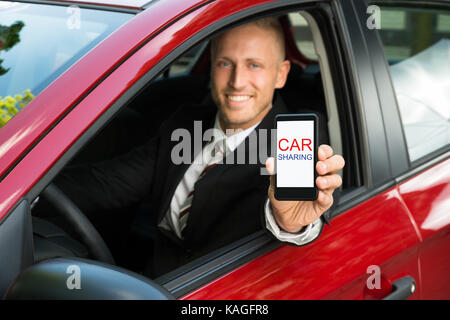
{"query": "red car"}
(72, 71)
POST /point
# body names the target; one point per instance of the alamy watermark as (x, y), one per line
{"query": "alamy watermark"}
(74, 20)
(374, 20)
(374, 280)
(259, 142)
(74, 280)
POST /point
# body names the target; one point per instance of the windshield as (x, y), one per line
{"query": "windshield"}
(39, 42)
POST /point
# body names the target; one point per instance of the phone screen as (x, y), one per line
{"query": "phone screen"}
(296, 157)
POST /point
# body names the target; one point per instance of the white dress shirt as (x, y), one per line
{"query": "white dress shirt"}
(186, 185)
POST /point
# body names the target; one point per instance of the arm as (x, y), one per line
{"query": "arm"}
(305, 236)
(291, 217)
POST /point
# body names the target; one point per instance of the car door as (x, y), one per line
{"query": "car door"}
(416, 45)
(371, 247)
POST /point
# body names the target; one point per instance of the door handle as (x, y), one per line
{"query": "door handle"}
(402, 289)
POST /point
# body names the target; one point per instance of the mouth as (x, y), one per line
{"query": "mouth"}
(238, 99)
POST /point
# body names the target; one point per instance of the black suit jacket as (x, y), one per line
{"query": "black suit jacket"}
(228, 202)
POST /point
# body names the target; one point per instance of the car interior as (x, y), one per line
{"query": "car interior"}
(186, 80)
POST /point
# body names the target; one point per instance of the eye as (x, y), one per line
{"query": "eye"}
(224, 64)
(254, 66)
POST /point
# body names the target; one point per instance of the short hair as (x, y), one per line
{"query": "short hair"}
(266, 23)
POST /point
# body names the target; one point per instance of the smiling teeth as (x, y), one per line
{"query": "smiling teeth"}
(238, 98)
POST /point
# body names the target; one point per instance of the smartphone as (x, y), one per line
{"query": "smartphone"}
(296, 156)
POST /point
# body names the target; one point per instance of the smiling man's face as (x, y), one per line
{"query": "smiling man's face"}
(247, 66)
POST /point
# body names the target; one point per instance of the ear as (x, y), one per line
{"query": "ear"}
(283, 71)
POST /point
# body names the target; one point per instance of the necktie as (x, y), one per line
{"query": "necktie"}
(214, 154)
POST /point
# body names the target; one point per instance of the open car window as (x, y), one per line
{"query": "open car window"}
(39, 42)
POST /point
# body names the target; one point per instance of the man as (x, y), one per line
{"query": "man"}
(201, 206)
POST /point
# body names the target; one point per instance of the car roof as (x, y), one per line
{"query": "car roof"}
(134, 4)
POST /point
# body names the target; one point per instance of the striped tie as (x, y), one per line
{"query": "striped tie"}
(216, 156)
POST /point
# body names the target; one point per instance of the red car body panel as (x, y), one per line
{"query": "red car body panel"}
(427, 196)
(378, 232)
(411, 224)
(404, 231)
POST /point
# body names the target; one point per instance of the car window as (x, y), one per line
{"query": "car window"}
(39, 42)
(417, 46)
(184, 63)
(302, 35)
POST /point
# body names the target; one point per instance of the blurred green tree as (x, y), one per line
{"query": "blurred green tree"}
(9, 37)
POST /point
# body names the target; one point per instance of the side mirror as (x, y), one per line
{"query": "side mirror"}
(73, 279)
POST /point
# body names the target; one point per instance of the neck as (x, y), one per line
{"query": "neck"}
(224, 125)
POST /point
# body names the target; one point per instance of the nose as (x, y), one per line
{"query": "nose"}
(238, 78)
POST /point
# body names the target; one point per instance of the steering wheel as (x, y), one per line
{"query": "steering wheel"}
(81, 225)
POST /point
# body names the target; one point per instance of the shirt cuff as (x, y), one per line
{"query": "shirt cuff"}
(308, 234)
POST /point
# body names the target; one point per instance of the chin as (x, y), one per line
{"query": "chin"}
(237, 120)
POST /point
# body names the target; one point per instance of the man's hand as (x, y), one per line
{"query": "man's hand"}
(292, 216)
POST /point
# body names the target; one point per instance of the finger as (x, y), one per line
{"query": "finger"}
(332, 182)
(331, 165)
(324, 152)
